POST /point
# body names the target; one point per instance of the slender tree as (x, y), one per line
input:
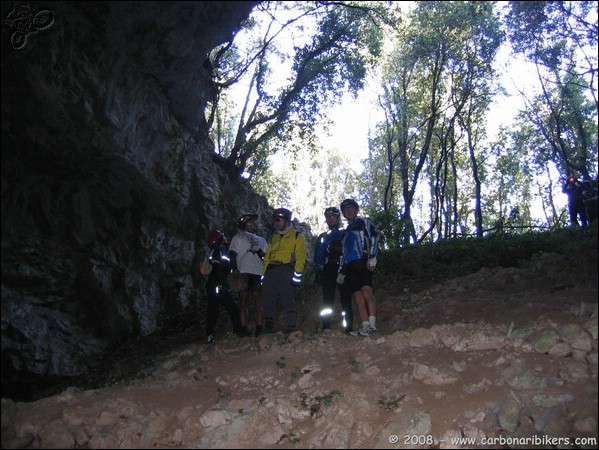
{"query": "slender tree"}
(437, 86)
(560, 38)
(327, 49)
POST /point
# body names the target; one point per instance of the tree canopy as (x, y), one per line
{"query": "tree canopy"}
(434, 170)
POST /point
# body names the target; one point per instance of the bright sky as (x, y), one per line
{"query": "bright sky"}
(353, 118)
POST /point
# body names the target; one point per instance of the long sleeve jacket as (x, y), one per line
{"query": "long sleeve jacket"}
(221, 267)
(328, 248)
(360, 240)
(288, 248)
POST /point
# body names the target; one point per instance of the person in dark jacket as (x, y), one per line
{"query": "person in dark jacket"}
(217, 287)
(327, 257)
(573, 188)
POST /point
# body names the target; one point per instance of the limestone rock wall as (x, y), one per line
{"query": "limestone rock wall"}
(109, 182)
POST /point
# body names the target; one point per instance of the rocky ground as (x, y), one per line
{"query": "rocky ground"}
(503, 358)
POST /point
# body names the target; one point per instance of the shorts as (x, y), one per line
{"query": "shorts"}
(248, 282)
(357, 275)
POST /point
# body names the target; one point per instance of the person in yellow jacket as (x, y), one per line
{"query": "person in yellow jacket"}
(284, 264)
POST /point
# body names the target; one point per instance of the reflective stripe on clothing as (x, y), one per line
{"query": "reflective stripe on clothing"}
(276, 285)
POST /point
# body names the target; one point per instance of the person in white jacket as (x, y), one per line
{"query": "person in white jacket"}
(247, 258)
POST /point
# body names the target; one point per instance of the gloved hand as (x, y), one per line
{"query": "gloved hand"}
(340, 278)
(296, 280)
(258, 252)
(371, 263)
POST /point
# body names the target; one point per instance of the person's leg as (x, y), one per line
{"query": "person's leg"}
(573, 213)
(347, 308)
(229, 303)
(362, 311)
(256, 294)
(211, 315)
(370, 302)
(365, 277)
(269, 299)
(353, 282)
(329, 286)
(243, 311)
(582, 213)
(287, 292)
(257, 298)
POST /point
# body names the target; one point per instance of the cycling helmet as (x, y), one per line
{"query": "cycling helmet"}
(215, 238)
(283, 213)
(245, 219)
(348, 202)
(332, 211)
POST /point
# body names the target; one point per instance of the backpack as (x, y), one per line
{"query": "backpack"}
(205, 266)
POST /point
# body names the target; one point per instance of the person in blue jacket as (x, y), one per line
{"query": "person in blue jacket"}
(360, 249)
(327, 258)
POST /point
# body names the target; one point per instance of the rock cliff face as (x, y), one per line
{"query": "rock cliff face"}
(109, 181)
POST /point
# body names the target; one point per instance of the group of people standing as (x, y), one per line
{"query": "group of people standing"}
(344, 261)
(269, 273)
(582, 201)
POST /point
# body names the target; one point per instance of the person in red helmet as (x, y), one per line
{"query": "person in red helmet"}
(217, 287)
(284, 264)
(576, 207)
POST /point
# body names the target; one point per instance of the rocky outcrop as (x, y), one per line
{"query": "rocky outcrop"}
(109, 181)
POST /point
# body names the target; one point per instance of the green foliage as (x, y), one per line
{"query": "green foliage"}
(429, 165)
(391, 403)
(538, 28)
(560, 38)
(295, 374)
(222, 395)
(327, 399)
(296, 58)
(303, 181)
(437, 83)
(390, 228)
(312, 334)
(457, 257)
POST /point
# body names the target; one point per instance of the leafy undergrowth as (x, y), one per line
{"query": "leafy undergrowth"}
(457, 257)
